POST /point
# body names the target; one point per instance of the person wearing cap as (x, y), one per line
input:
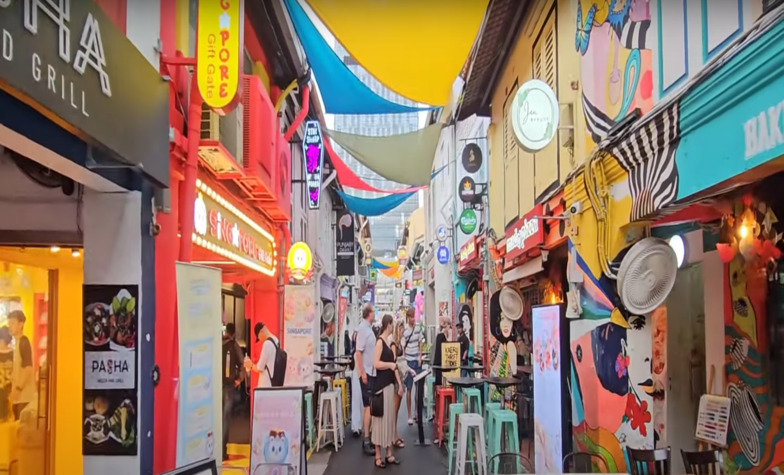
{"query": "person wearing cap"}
(22, 376)
(265, 366)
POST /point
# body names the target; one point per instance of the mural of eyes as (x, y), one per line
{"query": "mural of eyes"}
(579, 353)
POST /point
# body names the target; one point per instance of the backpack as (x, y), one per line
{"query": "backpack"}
(231, 362)
(281, 359)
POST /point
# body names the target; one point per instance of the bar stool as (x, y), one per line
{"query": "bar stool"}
(328, 420)
(343, 386)
(341, 420)
(490, 409)
(468, 423)
(309, 417)
(430, 399)
(443, 395)
(504, 424)
(454, 411)
(472, 399)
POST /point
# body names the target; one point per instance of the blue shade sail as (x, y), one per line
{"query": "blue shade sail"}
(373, 206)
(341, 90)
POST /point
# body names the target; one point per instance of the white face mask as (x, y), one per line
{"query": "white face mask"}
(506, 327)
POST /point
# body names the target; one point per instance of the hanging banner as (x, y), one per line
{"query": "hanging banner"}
(548, 390)
(313, 154)
(110, 389)
(199, 310)
(302, 330)
(345, 248)
(277, 432)
(219, 53)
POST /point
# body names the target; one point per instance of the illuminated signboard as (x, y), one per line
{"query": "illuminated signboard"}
(468, 252)
(219, 52)
(526, 234)
(223, 229)
(300, 260)
(313, 154)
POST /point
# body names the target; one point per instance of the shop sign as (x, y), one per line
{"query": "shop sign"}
(472, 158)
(442, 254)
(222, 228)
(219, 53)
(345, 244)
(467, 189)
(70, 59)
(525, 234)
(313, 154)
(417, 274)
(441, 233)
(765, 131)
(468, 221)
(534, 115)
(300, 261)
(468, 252)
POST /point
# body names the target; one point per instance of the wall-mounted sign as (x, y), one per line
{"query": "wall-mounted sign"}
(313, 154)
(219, 53)
(525, 234)
(373, 275)
(223, 229)
(442, 254)
(344, 244)
(534, 115)
(468, 221)
(69, 59)
(472, 158)
(468, 252)
(467, 189)
(300, 261)
(441, 233)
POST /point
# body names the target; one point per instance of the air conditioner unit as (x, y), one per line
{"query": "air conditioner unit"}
(260, 131)
(220, 142)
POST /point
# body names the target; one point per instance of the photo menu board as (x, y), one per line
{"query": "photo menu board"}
(110, 384)
(450, 357)
(547, 372)
(277, 432)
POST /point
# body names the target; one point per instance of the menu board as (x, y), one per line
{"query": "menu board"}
(199, 421)
(302, 331)
(110, 390)
(450, 357)
(277, 432)
(548, 416)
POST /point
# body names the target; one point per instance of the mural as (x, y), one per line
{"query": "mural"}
(612, 383)
(756, 441)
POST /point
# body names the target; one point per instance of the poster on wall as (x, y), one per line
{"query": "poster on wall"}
(548, 410)
(345, 251)
(110, 389)
(443, 309)
(277, 432)
(301, 331)
(199, 421)
(450, 358)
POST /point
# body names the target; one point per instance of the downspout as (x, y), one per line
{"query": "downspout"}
(188, 190)
(283, 250)
(303, 112)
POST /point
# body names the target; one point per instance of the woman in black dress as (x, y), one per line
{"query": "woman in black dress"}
(382, 429)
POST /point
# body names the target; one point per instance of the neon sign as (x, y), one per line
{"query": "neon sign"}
(313, 154)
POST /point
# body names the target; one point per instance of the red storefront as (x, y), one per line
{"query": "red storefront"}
(229, 207)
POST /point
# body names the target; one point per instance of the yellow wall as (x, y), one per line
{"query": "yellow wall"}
(67, 362)
(416, 228)
(519, 179)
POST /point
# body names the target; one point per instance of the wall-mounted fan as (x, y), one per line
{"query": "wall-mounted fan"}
(646, 275)
(328, 314)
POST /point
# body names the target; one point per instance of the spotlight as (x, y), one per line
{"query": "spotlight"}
(75, 253)
(55, 249)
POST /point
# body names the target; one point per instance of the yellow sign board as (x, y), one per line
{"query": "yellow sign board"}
(219, 52)
(450, 357)
(300, 260)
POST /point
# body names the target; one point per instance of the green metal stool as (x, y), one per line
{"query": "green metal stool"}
(504, 424)
(430, 392)
(309, 417)
(472, 399)
(454, 411)
(490, 410)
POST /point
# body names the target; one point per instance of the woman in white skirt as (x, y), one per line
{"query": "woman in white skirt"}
(382, 429)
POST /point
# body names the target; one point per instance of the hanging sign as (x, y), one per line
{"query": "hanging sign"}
(526, 234)
(534, 115)
(442, 254)
(467, 189)
(219, 53)
(344, 244)
(277, 431)
(313, 154)
(441, 233)
(300, 261)
(472, 158)
(468, 221)
(468, 252)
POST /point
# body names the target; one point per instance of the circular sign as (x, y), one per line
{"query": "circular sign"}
(441, 233)
(467, 189)
(467, 221)
(442, 253)
(300, 260)
(472, 158)
(534, 115)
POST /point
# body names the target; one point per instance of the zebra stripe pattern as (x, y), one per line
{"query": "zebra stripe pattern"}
(648, 156)
(635, 34)
(739, 350)
(597, 122)
(746, 421)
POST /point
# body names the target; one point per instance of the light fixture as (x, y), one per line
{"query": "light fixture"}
(679, 247)
(75, 252)
(55, 249)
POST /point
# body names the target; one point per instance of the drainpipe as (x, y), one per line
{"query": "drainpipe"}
(283, 250)
(188, 190)
(303, 112)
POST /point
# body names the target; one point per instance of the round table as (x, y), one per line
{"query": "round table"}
(473, 368)
(462, 383)
(503, 383)
(329, 374)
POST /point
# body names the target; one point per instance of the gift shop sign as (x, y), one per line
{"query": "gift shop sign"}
(218, 51)
(313, 154)
(526, 234)
(68, 60)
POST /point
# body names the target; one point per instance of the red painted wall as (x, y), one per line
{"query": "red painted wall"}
(117, 10)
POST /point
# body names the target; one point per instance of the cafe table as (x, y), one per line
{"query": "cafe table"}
(329, 373)
(463, 383)
(503, 383)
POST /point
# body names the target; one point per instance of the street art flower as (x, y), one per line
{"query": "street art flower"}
(622, 365)
(638, 414)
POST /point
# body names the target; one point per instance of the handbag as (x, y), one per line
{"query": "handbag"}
(377, 404)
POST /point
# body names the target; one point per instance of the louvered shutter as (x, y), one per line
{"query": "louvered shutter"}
(545, 69)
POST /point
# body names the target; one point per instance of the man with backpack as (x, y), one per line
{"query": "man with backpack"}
(272, 362)
(233, 374)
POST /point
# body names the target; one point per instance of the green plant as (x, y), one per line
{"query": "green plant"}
(730, 467)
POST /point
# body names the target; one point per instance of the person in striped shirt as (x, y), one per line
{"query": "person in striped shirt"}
(412, 343)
